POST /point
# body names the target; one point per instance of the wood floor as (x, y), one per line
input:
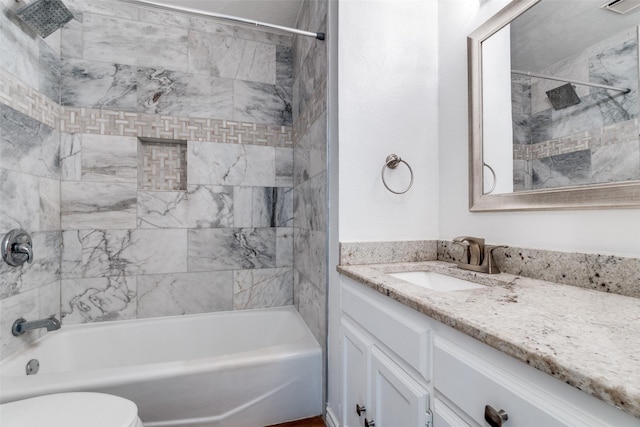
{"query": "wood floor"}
(309, 422)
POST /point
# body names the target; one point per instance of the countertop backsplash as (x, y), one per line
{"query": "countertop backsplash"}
(386, 252)
(604, 273)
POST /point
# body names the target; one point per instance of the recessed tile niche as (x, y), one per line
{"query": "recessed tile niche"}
(162, 164)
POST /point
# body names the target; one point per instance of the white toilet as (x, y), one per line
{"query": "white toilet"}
(70, 410)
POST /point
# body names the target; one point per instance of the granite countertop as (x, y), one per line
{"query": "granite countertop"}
(586, 338)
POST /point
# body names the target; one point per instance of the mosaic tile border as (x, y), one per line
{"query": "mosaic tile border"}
(120, 123)
(19, 96)
(607, 135)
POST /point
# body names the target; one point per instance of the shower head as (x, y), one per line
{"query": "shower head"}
(563, 96)
(45, 16)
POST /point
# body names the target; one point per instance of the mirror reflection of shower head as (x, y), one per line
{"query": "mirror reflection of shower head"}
(45, 16)
(621, 6)
(563, 96)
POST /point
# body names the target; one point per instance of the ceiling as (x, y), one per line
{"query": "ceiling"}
(553, 30)
(547, 33)
(278, 12)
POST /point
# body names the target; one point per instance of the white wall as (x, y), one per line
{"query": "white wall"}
(394, 97)
(388, 104)
(387, 101)
(615, 232)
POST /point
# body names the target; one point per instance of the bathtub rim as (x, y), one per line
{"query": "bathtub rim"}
(162, 319)
(16, 387)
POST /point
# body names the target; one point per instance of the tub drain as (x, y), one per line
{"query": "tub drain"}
(33, 366)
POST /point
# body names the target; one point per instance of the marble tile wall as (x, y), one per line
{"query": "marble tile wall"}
(30, 200)
(204, 69)
(231, 229)
(30, 170)
(310, 170)
(223, 242)
(22, 53)
(596, 141)
(107, 248)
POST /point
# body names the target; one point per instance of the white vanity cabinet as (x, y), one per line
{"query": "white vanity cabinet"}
(380, 386)
(403, 367)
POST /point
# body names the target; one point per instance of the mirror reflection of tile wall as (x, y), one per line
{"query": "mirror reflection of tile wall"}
(595, 141)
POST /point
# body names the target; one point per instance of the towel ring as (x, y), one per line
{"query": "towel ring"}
(495, 179)
(392, 162)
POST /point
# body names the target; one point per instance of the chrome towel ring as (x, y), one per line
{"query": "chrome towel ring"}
(392, 162)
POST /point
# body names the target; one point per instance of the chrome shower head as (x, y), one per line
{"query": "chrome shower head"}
(45, 16)
(563, 96)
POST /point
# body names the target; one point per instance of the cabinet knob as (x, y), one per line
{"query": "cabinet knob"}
(368, 423)
(493, 417)
(360, 409)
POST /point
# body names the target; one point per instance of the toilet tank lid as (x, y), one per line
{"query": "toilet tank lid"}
(70, 410)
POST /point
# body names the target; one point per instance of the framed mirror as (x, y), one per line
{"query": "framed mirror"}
(553, 106)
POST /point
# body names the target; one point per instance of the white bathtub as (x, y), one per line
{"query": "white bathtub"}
(243, 368)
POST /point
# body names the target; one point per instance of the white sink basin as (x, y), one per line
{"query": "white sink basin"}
(435, 281)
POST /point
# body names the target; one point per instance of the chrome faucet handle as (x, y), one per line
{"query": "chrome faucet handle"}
(475, 249)
(25, 248)
(489, 262)
(465, 248)
(17, 248)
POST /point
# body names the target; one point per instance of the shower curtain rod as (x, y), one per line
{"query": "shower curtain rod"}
(578, 82)
(319, 36)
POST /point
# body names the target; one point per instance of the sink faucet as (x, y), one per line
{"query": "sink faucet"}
(20, 326)
(478, 256)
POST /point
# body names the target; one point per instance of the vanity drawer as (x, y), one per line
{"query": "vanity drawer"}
(392, 325)
(472, 383)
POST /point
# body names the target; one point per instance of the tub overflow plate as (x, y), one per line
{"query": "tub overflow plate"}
(33, 366)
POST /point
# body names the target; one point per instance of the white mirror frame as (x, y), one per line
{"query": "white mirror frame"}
(597, 196)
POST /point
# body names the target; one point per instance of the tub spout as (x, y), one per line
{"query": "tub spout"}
(20, 326)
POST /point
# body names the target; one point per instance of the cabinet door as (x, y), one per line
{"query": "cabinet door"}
(443, 416)
(355, 365)
(396, 398)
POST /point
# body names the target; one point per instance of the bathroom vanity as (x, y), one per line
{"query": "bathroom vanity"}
(508, 351)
